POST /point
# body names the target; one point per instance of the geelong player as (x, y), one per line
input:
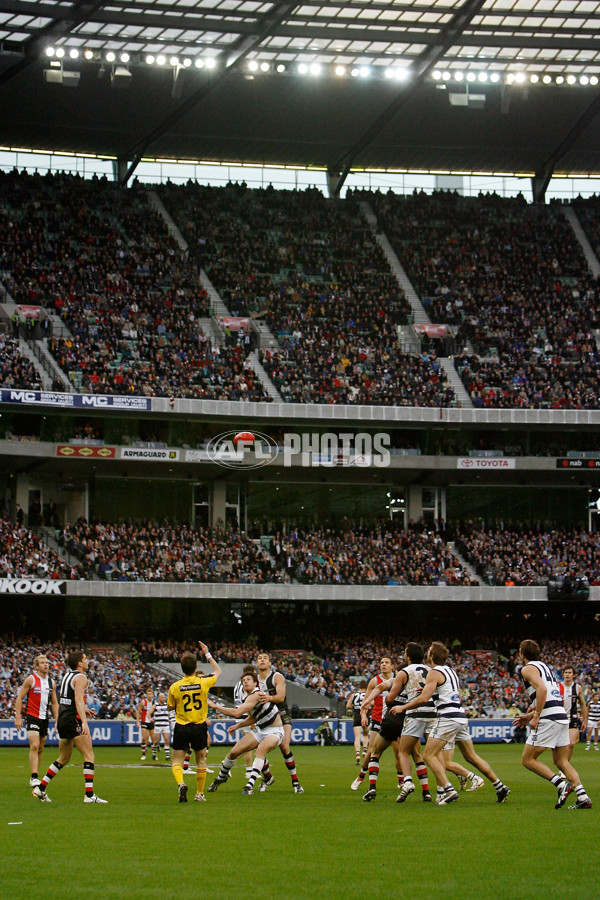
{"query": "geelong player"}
(593, 721)
(549, 728)
(575, 707)
(162, 726)
(266, 731)
(272, 686)
(40, 692)
(361, 733)
(450, 726)
(188, 697)
(73, 728)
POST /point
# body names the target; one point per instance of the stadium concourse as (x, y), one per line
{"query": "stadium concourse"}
(330, 665)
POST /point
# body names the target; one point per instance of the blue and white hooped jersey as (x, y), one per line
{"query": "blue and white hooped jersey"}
(553, 710)
(447, 697)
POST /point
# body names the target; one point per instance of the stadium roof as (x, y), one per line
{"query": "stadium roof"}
(436, 85)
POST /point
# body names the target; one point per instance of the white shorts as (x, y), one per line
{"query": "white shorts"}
(272, 731)
(417, 728)
(450, 731)
(549, 734)
(592, 724)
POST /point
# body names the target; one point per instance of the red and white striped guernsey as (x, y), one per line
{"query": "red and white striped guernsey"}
(147, 711)
(377, 710)
(38, 697)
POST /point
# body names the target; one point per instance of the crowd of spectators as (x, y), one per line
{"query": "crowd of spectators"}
(312, 269)
(16, 371)
(530, 556)
(23, 555)
(491, 685)
(103, 259)
(513, 279)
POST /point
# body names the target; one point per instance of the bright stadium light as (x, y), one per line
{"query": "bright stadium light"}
(483, 76)
(281, 68)
(60, 52)
(50, 51)
(125, 57)
(253, 65)
(560, 79)
(471, 77)
(436, 75)
(534, 78)
(199, 63)
(187, 62)
(571, 79)
(74, 53)
(520, 77)
(211, 62)
(594, 79)
(315, 69)
(446, 76)
(150, 59)
(459, 76)
(340, 70)
(264, 67)
(174, 62)
(364, 71)
(494, 78)
(161, 60)
(584, 80)
(110, 56)
(547, 79)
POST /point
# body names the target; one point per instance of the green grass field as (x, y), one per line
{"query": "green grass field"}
(324, 843)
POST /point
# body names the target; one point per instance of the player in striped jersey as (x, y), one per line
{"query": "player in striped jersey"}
(549, 728)
(593, 721)
(386, 673)
(265, 735)
(239, 696)
(162, 725)
(574, 703)
(361, 734)
(73, 728)
(40, 692)
(450, 726)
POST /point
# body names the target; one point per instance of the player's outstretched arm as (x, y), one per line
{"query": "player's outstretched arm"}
(432, 682)
(210, 658)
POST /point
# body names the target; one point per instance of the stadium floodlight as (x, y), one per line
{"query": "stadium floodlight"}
(459, 76)
(50, 51)
(584, 80)
(560, 79)
(303, 68)
(281, 68)
(571, 79)
(520, 77)
(253, 65)
(388, 73)
(174, 62)
(74, 53)
(547, 79)
(483, 76)
(110, 56)
(446, 76)
(494, 78)
(211, 62)
(533, 78)
(264, 67)
(150, 60)
(354, 72)
(340, 70)
(436, 75)
(125, 57)
(364, 71)
(401, 73)
(471, 77)
(161, 60)
(187, 62)
(89, 54)
(315, 69)
(594, 80)
(199, 63)
(510, 77)
(60, 52)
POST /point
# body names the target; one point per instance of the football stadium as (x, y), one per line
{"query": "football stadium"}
(300, 440)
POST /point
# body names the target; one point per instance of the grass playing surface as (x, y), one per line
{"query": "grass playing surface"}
(324, 843)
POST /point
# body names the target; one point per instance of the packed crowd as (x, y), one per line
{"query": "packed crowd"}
(491, 683)
(311, 268)
(23, 555)
(383, 553)
(531, 556)
(162, 551)
(102, 258)
(513, 278)
(16, 371)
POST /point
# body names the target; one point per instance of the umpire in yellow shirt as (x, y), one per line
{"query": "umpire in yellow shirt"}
(188, 698)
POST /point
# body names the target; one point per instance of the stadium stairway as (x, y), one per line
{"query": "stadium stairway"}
(26, 350)
(47, 536)
(420, 317)
(462, 395)
(464, 564)
(591, 258)
(253, 361)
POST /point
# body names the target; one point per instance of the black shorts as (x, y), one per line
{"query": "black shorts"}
(149, 726)
(40, 726)
(376, 725)
(286, 718)
(186, 736)
(391, 727)
(68, 727)
(356, 722)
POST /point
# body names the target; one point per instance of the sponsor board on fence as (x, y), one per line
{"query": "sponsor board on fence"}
(71, 451)
(81, 401)
(577, 462)
(156, 454)
(485, 462)
(35, 586)
(112, 732)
